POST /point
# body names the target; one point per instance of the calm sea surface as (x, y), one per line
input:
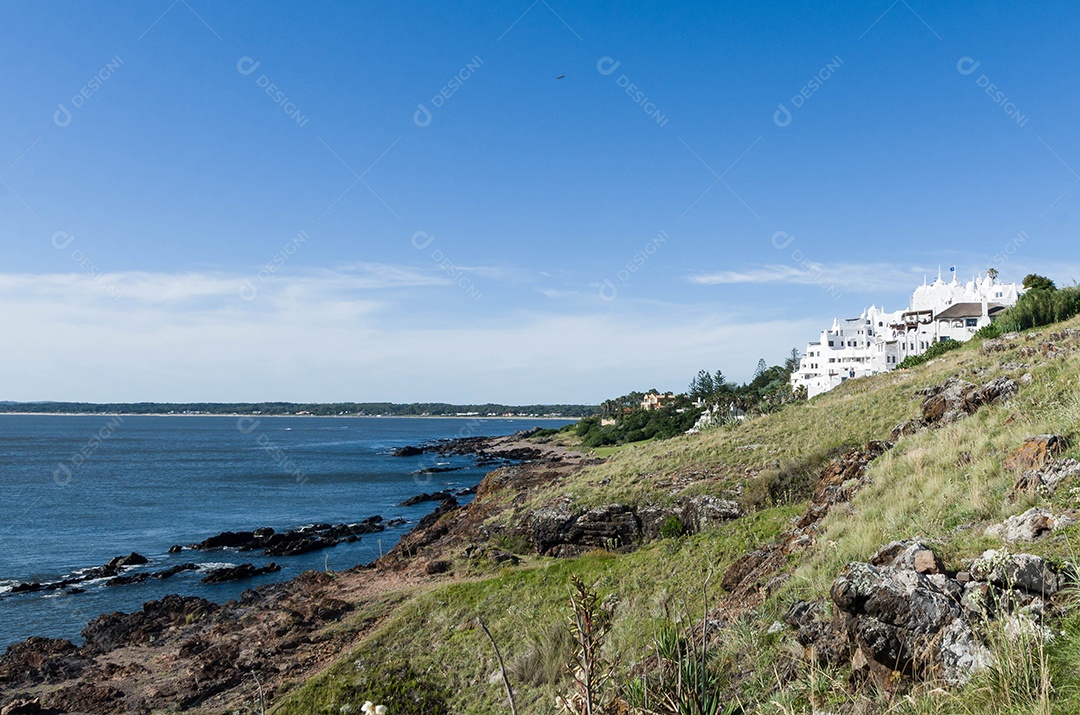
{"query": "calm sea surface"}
(75, 491)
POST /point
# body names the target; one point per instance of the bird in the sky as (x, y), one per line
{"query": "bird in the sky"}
(560, 76)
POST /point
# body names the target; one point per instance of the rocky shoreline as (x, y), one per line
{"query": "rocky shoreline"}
(185, 652)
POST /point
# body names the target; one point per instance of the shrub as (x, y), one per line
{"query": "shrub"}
(936, 350)
(672, 527)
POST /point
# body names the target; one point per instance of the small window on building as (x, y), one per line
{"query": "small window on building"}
(971, 322)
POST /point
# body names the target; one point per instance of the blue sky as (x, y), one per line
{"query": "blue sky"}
(401, 201)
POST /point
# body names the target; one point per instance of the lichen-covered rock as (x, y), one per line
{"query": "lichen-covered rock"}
(1036, 452)
(904, 612)
(1047, 479)
(961, 655)
(955, 399)
(1032, 524)
(1026, 572)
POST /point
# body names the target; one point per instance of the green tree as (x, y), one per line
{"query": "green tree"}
(791, 363)
(1034, 281)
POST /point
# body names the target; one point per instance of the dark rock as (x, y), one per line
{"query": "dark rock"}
(22, 706)
(823, 644)
(235, 573)
(421, 498)
(113, 630)
(503, 557)
(86, 697)
(37, 660)
(132, 559)
(173, 570)
(448, 505)
(1029, 526)
(175, 549)
(1047, 479)
(607, 527)
(407, 451)
(437, 470)
(437, 567)
(225, 540)
(1016, 571)
(127, 579)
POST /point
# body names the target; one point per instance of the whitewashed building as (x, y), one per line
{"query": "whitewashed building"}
(877, 341)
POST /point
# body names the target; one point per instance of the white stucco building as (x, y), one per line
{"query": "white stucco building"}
(878, 341)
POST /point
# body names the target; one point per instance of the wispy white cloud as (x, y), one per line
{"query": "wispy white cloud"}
(339, 335)
(848, 277)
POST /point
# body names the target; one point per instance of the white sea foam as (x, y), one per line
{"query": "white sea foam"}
(214, 565)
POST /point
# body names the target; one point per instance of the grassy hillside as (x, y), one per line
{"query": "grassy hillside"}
(944, 486)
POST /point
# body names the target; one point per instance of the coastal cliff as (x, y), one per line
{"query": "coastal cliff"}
(900, 544)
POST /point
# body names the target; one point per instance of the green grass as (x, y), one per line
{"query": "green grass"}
(435, 632)
(769, 463)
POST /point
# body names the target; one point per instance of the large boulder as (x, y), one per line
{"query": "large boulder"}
(1032, 524)
(1036, 452)
(903, 612)
(953, 400)
(1025, 572)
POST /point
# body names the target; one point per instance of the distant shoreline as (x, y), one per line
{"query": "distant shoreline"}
(260, 416)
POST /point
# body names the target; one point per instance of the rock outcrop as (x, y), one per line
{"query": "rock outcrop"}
(561, 530)
(757, 574)
(236, 573)
(1046, 480)
(1029, 526)
(954, 400)
(288, 543)
(1036, 452)
(902, 613)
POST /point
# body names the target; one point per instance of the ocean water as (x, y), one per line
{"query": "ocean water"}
(76, 491)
